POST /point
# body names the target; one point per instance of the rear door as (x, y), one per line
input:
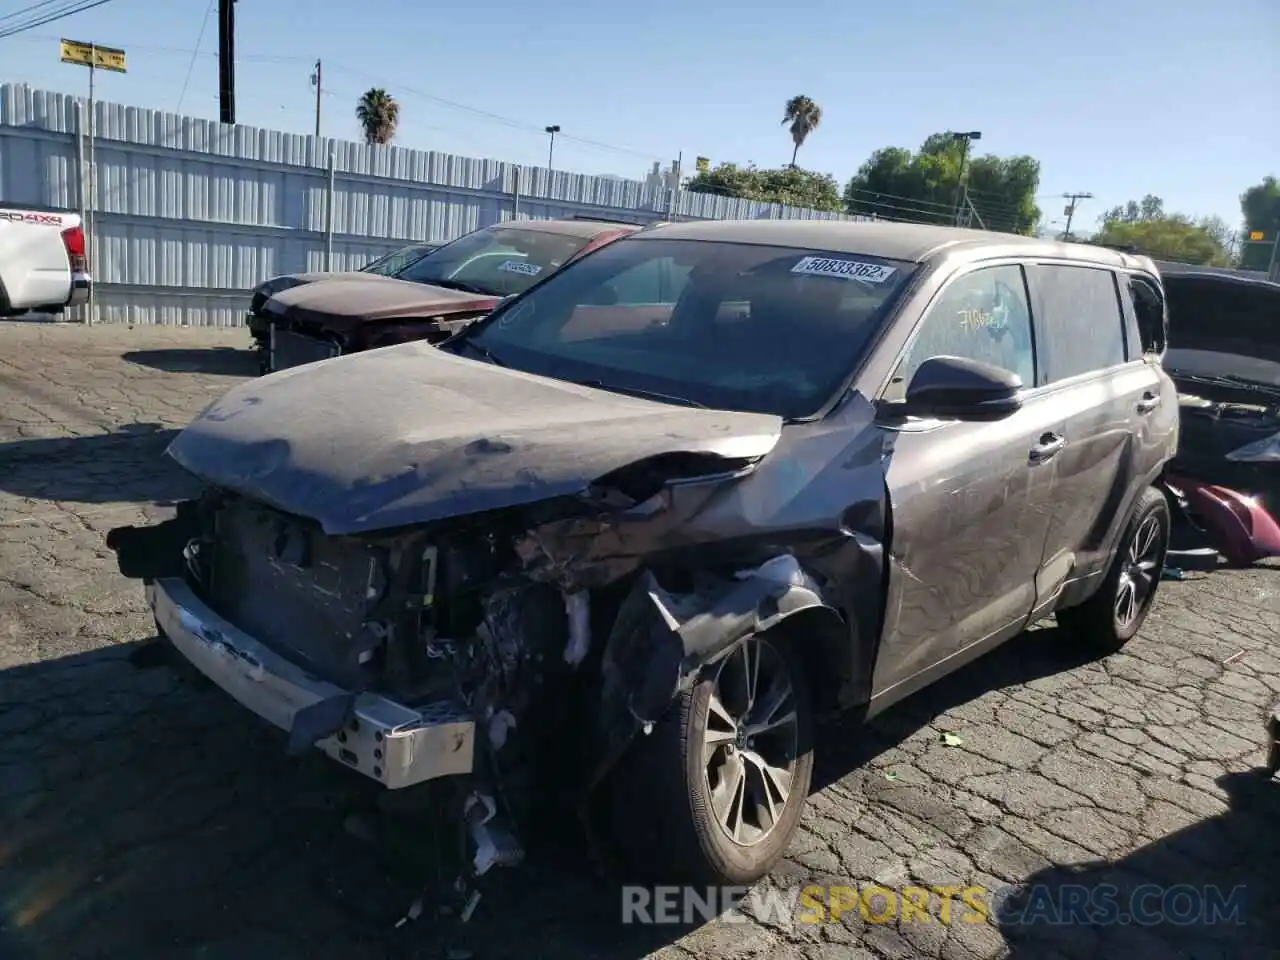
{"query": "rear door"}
(1095, 374)
(970, 502)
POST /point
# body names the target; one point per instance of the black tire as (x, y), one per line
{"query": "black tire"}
(660, 800)
(1099, 620)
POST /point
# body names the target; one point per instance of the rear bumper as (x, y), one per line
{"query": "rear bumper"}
(81, 283)
(396, 745)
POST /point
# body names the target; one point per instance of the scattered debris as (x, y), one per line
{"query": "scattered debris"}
(1238, 655)
(473, 901)
(890, 775)
(1173, 573)
(952, 739)
(1273, 755)
(415, 911)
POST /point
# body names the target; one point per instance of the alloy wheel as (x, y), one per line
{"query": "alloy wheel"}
(751, 742)
(1140, 571)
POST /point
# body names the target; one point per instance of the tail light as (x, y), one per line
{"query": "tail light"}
(73, 240)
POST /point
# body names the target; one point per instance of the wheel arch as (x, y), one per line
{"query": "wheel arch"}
(660, 641)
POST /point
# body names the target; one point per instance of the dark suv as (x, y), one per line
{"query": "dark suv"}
(649, 519)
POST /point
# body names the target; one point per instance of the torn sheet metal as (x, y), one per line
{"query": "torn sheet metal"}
(819, 496)
(434, 435)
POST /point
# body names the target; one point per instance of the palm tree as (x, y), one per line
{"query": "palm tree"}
(804, 116)
(378, 113)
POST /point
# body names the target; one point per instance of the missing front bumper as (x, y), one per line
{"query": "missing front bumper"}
(396, 745)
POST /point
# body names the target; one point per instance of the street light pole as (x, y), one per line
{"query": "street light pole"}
(551, 147)
(962, 186)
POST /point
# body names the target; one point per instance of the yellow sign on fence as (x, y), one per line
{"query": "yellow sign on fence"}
(92, 55)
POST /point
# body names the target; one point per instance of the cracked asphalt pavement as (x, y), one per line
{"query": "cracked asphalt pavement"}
(144, 816)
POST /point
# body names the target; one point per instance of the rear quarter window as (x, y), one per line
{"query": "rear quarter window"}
(1079, 325)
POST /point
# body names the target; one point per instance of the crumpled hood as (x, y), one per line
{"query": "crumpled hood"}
(343, 302)
(435, 435)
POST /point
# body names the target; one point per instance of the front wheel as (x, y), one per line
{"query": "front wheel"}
(714, 794)
(1112, 616)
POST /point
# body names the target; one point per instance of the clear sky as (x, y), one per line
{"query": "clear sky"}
(1118, 98)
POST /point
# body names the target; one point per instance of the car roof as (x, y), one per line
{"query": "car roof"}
(912, 242)
(567, 227)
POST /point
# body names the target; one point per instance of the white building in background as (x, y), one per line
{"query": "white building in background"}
(663, 178)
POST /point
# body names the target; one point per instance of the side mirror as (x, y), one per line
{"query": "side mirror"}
(955, 388)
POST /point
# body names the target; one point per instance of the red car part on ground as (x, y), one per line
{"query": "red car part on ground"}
(1236, 525)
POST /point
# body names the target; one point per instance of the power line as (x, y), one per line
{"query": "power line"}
(31, 10)
(496, 117)
(204, 25)
(41, 17)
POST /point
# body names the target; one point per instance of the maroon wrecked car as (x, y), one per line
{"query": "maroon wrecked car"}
(302, 317)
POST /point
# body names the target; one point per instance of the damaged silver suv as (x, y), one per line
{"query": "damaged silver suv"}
(633, 533)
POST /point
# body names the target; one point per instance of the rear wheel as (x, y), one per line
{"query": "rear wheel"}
(1112, 616)
(715, 792)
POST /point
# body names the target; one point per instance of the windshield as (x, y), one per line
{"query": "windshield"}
(733, 326)
(499, 260)
(388, 265)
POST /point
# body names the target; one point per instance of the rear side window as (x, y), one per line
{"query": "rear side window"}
(1148, 311)
(1079, 326)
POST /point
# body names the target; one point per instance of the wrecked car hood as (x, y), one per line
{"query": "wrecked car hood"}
(436, 435)
(353, 299)
(1223, 326)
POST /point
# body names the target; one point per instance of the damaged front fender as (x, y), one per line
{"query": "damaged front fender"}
(662, 639)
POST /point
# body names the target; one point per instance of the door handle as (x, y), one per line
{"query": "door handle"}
(1148, 402)
(1050, 446)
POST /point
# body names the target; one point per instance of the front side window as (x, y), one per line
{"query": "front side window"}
(725, 325)
(982, 315)
(1080, 327)
(499, 261)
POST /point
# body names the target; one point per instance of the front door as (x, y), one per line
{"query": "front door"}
(970, 502)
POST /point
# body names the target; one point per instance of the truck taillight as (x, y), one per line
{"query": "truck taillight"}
(73, 240)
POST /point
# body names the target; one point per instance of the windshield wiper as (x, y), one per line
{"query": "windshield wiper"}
(1223, 380)
(482, 350)
(637, 392)
(459, 285)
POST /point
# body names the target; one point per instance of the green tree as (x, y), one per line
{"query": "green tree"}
(922, 187)
(803, 115)
(1144, 226)
(1260, 205)
(379, 115)
(786, 185)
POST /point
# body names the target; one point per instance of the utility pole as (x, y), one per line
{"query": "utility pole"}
(315, 81)
(1072, 199)
(227, 61)
(962, 186)
(551, 149)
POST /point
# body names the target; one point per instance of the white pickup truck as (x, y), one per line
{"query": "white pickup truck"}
(43, 266)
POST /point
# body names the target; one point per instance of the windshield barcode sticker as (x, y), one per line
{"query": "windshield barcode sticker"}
(521, 267)
(848, 269)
